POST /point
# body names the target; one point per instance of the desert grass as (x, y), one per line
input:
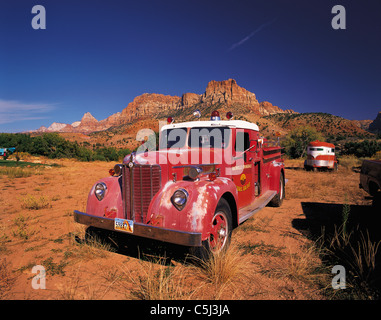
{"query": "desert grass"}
(357, 252)
(223, 267)
(324, 186)
(31, 202)
(87, 248)
(223, 271)
(12, 173)
(303, 265)
(75, 288)
(157, 281)
(349, 162)
(22, 230)
(193, 279)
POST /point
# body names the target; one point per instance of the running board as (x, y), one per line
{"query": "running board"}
(261, 202)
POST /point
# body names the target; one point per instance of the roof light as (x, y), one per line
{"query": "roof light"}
(170, 120)
(194, 172)
(197, 114)
(215, 116)
(229, 115)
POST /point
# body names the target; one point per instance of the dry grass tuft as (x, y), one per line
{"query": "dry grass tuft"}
(32, 203)
(89, 247)
(304, 266)
(224, 267)
(160, 282)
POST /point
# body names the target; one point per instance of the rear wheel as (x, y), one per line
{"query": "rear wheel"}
(220, 232)
(278, 199)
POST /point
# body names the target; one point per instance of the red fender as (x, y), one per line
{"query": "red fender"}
(199, 210)
(112, 205)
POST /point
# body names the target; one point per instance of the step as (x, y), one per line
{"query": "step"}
(259, 203)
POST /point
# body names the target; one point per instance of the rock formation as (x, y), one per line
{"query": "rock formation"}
(228, 92)
(148, 104)
(152, 105)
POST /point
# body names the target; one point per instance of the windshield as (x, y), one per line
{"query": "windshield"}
(173, 138)
(209, 137)
(199, 137)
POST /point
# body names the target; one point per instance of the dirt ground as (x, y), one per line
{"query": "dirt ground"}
(278, 259)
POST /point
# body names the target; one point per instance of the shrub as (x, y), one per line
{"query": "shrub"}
(296, 142)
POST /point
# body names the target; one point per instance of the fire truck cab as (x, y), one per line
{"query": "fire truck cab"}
(205, 180)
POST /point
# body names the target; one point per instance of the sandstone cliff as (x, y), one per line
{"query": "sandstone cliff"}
(228, 92)
(147, 105)
(225, 93)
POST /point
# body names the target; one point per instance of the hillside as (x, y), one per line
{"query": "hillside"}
(146, 110)
(328, 124)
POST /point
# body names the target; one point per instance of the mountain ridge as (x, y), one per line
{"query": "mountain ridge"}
(152, 105)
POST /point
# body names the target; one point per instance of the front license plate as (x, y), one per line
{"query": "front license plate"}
(124, 225)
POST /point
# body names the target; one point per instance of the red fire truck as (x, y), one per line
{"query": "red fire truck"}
(320, 155)
(206, 179)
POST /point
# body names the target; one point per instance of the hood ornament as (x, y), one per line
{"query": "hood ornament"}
(132, 159)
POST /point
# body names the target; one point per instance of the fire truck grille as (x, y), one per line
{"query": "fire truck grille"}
(140, 184)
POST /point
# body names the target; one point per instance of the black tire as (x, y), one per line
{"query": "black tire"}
(220, 237)
(278, 199)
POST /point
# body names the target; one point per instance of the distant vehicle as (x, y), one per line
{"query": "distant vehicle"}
(6, 152)
(320, 155)
(370, 176)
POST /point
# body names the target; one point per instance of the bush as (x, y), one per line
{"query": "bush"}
(53, 146)
(296, 142)
(364, 149)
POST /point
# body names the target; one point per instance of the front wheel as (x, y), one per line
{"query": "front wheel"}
(220, 232)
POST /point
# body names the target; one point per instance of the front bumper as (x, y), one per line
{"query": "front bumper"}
(320, 163)
(192, 239)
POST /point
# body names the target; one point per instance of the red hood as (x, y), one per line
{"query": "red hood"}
(168, 159)
(180, 157)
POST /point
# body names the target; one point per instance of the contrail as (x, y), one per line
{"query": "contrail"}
(251, 34)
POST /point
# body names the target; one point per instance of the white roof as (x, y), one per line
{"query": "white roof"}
(240, 124)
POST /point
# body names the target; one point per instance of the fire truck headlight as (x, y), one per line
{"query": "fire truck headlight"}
(100, 190)
(179, 199)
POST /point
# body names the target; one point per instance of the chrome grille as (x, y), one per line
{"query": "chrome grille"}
(140, 184)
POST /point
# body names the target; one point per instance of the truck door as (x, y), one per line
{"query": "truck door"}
(243, 171)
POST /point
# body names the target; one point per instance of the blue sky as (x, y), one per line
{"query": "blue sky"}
(96, 56)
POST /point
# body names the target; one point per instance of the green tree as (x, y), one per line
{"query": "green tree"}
(297, 140)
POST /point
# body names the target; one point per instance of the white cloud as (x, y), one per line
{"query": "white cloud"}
(14, 111)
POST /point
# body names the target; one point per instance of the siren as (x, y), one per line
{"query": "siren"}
(215, 116)
(197, 114)
(229, 115)
(170, 120)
